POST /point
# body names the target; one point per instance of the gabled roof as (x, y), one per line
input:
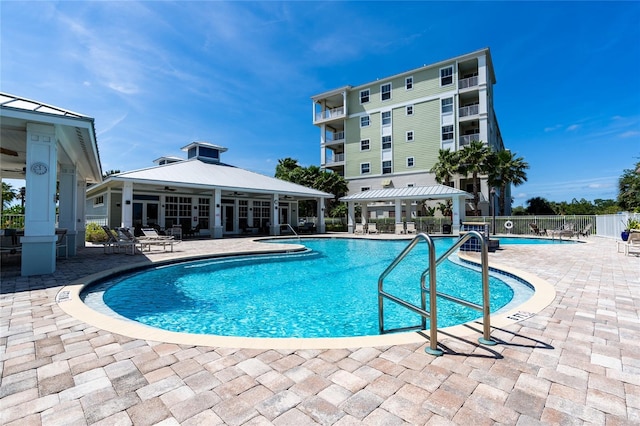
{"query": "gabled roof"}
(195, 173)
(409, 193)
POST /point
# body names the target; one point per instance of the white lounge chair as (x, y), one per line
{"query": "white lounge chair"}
(633, 244)
(411, 227)
(359, 229)
(372, 228)
(399, 228)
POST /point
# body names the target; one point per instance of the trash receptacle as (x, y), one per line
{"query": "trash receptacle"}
(446, 228)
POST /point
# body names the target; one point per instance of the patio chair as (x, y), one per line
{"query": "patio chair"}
(534, 228)
(151, 237)
(633, 244)
(585, 231)
(411, 227)
(114, 242)
(372, 228)
(61, 242)
(399, 228)
(126, 240)
(359, 229)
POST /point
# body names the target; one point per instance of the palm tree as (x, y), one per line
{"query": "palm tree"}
(285, 167)
(506, 169)
(446, 166)
(8, 194)
(474, 160)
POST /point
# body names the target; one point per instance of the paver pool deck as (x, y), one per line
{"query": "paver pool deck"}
(577, 361)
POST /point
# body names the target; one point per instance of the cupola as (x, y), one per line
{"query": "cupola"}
(204, 151)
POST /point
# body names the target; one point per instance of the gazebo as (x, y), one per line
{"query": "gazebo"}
(408, 195)
(55, 151)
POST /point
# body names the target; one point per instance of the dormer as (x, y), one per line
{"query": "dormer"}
(204, 151)
(167, 160)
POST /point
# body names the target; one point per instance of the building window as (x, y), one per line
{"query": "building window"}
(98, 201)
(365, 168)
(447, 105)
(386, 118)
(261, 213)
(204, 208)
(410, 162)
(177, 211)
(409, 109)
(364, 145)
(447, 133)
(385, 92)
(364, 96)
(364, 121)
(386, 167)
(364, 188)
(446, 76)
(386, 142)
(410, 136)
(408, 83)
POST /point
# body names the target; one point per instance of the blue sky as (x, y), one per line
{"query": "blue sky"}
(157, 76)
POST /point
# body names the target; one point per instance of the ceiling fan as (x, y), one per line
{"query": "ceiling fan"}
(22, 170)
(10, 152)
(167, 188)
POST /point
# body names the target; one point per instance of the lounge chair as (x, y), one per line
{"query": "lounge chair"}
(633, 244)
(61, 242)
(585, 231)
(534, 228)
(114, 242)
(411, 227)
(372, 228)
(399, 228)
(359, 229)
(565, 231)
(151, 237)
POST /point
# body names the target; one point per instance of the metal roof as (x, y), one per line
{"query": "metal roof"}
(195, 173)
(408, 193)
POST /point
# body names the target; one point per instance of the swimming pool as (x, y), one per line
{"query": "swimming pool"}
(328, 291)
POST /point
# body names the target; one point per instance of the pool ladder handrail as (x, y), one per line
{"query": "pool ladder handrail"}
(292, 230)
(433, 293)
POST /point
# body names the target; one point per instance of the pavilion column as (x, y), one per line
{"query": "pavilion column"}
(127, 205)
(39, 241)
(81, 213)
(398, 206)
(365, 212)
(67, 213)
(321, 223)
(458, 210)
(351, 216)
(217, 213)
(275, 217)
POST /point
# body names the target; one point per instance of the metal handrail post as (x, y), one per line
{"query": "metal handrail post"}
(486, 305)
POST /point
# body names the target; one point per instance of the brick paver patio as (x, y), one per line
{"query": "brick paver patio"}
(576, 362)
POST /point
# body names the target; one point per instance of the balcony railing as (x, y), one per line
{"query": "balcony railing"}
(337, 158)
(335, 137)
(469, 110)
(468, 82)
(330, 113)
(467, 139)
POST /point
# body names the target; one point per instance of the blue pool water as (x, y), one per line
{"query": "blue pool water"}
(328, 291)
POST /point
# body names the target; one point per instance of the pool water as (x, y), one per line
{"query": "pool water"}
(328, 291)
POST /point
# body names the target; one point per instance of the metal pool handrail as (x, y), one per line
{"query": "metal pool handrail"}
(433, 293)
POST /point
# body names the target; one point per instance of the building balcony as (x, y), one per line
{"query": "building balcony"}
(336, 138)
(464, 83)
(329, 114)
(469, 110)
(337, 158)
(467, 139)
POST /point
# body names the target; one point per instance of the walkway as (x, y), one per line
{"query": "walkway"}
(576, 362)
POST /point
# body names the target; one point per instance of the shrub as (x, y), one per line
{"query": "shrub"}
(94, 233)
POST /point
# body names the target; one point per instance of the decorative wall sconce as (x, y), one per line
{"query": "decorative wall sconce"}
(217, 206)
(127, 202)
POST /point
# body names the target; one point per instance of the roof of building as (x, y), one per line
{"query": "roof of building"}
(195, 173)
(409, 193)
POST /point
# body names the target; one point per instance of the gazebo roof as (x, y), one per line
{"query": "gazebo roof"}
(434, 192)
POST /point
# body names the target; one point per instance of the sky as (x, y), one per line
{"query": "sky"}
(156, 76)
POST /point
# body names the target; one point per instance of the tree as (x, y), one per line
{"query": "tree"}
(109, 173)
(474, 160)
(629, 189)
(8, 195)
(285, 167)
(506, 169)
(538, 205)
(446, 166)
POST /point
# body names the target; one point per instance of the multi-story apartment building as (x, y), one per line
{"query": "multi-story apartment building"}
(387, 133)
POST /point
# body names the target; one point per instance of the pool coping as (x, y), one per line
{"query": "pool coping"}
(68, 299)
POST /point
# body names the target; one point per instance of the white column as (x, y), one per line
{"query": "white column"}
(458, 209)
(351, 216)
(365, 212)
(39, 241)
(321, 208)
(217, 213)
(398, 206)
(127, 205)
(67, 215)
(81, 212)
(275, 217)
(483, 71)
(323, 141)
